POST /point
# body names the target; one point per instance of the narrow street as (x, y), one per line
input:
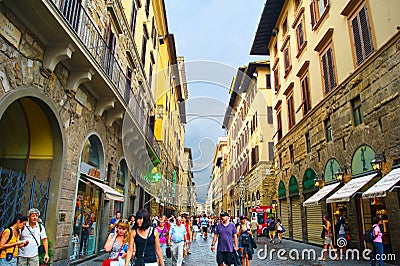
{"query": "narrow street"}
(201, 255)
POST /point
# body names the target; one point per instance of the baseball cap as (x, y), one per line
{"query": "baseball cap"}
(224, 214)
(243, 217)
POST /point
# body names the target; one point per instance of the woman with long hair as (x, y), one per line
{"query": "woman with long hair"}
(163, 233)
(9, 242)
(144, 242)
(117, 242)
(328, 238)
(244, 234)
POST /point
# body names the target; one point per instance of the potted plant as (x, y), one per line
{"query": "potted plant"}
(41, 256)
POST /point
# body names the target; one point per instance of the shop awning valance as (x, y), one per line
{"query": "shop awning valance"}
(111, 194)
(347, 191)
(315, 199)
(383, 185)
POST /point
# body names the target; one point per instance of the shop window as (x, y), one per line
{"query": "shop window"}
(90, 153)
(362, 38)
(328, 130)
(357, 111)
(85, 222)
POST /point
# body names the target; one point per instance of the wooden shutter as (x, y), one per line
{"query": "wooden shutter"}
(332, 78)
(362, 36)
(313, 15)
(284, 215)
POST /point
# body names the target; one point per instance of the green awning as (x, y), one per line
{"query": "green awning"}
(293, 186)
(308, 179)
(281, 190)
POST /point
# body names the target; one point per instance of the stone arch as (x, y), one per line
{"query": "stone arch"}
(37, 126)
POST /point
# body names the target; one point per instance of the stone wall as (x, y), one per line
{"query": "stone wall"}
(377, 82)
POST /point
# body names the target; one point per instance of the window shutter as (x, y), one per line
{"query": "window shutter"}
(313, 18)
(357, 39)
(325, 72)
(366, 33)
(331, 70)
(286, 54)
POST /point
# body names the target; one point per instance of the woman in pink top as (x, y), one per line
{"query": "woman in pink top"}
(162, 232)
(377, 244)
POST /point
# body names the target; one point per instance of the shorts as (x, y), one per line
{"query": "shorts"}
(327, 241)
(195, 228)
(225, 257)
(204, 229)
(12, 262)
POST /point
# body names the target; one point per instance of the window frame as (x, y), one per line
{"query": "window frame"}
(356, 108)
(315, 12)
(328, 129)
(291, 114)
(305, 95)
(331, 69)
(370, 33)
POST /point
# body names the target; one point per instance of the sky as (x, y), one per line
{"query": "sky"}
(215, 38)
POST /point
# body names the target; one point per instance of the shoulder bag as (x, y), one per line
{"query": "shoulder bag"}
(113, 261)
(140, 261)
(41, 249)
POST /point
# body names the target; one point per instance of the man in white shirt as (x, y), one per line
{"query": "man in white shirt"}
(34, 232)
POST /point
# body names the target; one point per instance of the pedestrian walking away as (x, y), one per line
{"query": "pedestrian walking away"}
(279, 229)
(272, 230)
(254, 228)
(35, 233)
(10, 242)
(144, 242)
(204, 225)
(177, 239)
(226, 235)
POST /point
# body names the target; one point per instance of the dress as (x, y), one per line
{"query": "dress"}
(116, 248)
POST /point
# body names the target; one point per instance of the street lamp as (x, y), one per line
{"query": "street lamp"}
(318, 182)
(378, 161)
(340, 174)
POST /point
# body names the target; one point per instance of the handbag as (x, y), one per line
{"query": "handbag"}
(168, 252)
(140, 261)
(323, 233)
(253, 243)
(113, 261)
(283, 229)
(41, 249)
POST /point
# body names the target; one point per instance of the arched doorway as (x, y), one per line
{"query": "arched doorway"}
(31, 156)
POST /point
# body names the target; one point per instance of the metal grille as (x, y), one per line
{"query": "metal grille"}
(17, 195)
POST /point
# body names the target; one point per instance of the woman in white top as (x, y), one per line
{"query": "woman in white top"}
(279, 226)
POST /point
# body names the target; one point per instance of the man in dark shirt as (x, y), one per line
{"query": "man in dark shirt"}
(227, 241)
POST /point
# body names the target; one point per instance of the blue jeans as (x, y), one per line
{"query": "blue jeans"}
(377, 253)
(13, 262)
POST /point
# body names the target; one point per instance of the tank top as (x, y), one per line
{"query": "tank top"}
(163, 235)
(14, 239)
(150, 252)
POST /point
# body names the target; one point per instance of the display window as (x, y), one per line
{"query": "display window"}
(85, 221)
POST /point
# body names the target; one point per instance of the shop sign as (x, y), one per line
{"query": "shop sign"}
(9, 31)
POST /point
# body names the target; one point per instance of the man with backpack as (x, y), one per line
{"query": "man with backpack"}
(272, 230)
(35, 233)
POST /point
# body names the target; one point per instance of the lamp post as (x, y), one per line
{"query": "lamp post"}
(241, 186)
(339, 175)
(318, 182)
(378, 161)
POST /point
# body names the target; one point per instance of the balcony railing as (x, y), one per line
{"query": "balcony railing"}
(87, 32)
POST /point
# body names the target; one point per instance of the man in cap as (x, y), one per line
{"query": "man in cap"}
(227, 241)
(34, 232)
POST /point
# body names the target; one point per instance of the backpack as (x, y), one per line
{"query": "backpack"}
(369, 235)
(10, 236)
(271, 226)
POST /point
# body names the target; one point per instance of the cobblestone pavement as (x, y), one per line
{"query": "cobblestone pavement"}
(202, 255)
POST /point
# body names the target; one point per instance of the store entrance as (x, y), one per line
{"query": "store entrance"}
(378, 208)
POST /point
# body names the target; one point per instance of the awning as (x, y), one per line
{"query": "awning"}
(314, 199)
(111, 194)
(383, 185)
(347, 191)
